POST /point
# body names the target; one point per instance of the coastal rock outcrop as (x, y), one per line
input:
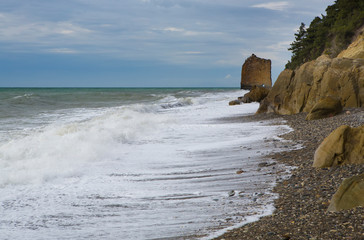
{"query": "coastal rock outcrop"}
(326, 107)
(256, 71)
(300, 89)
(349, 195)
(345, 145)
(256, 94)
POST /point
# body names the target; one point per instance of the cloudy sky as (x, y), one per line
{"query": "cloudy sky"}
(144, 43)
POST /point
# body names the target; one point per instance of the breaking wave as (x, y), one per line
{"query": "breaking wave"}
(178, 103)
(63, 149)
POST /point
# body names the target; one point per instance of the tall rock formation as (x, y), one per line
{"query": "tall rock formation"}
(256, 71)
(299, 90)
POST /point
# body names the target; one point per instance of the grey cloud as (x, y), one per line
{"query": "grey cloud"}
(172, 31)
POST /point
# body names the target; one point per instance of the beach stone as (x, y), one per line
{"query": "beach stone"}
(349, 195)
(234, 102)
(286, 236)
(239, 172)
(256, 94)
(328, 106)
(256, 71)
(345, 145)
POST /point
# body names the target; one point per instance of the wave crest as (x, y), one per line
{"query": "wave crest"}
(65, 149)
(178, 103)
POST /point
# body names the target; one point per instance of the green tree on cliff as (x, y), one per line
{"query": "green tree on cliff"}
(297, 46)
(330, 34)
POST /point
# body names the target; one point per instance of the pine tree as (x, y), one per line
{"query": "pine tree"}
(330, 34)
(298, 45)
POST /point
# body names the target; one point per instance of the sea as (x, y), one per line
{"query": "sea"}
(117, 163)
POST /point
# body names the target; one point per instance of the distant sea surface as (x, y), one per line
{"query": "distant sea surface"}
(129, 163)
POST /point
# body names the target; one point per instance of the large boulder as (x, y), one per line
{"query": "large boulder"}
(326, 107)
(256, 71)
(349, 195)
(299, 90)
(345, 145)
(256, 94)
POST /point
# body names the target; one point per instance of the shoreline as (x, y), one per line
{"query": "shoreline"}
(300, 209)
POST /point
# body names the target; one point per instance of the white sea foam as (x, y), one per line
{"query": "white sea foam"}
(27, 95)
(175, 102)
(63, 149)
(161, 169)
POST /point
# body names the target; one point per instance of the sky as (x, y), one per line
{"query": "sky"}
(144, 43)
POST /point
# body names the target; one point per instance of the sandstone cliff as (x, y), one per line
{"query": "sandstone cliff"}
(299, 90)
(256, 71)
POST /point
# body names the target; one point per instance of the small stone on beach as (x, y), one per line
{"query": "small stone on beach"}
(239, 172)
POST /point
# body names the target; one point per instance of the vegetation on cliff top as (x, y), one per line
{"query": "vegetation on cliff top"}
(330, 34)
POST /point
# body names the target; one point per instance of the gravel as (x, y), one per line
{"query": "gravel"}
(301, 209)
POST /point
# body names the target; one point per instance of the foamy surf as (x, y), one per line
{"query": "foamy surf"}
(62, 149)
(128, 168)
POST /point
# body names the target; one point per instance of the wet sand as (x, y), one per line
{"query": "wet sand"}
(300, 211)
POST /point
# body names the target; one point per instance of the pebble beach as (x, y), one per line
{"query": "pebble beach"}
(301, 209)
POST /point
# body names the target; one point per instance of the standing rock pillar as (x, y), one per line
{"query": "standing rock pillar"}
(256, 71)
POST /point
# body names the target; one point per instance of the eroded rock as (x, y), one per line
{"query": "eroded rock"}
(256, 94)
(349, 195)
(256, 71)
(326, 107)
(345, 145)
(299, 90)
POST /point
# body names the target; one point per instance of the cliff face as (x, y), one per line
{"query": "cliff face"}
(256, 71)
(299, 90)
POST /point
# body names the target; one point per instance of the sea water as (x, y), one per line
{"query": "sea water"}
(130, 163)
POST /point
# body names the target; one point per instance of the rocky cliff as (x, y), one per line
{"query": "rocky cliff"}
(256, 71)
(300, 89)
